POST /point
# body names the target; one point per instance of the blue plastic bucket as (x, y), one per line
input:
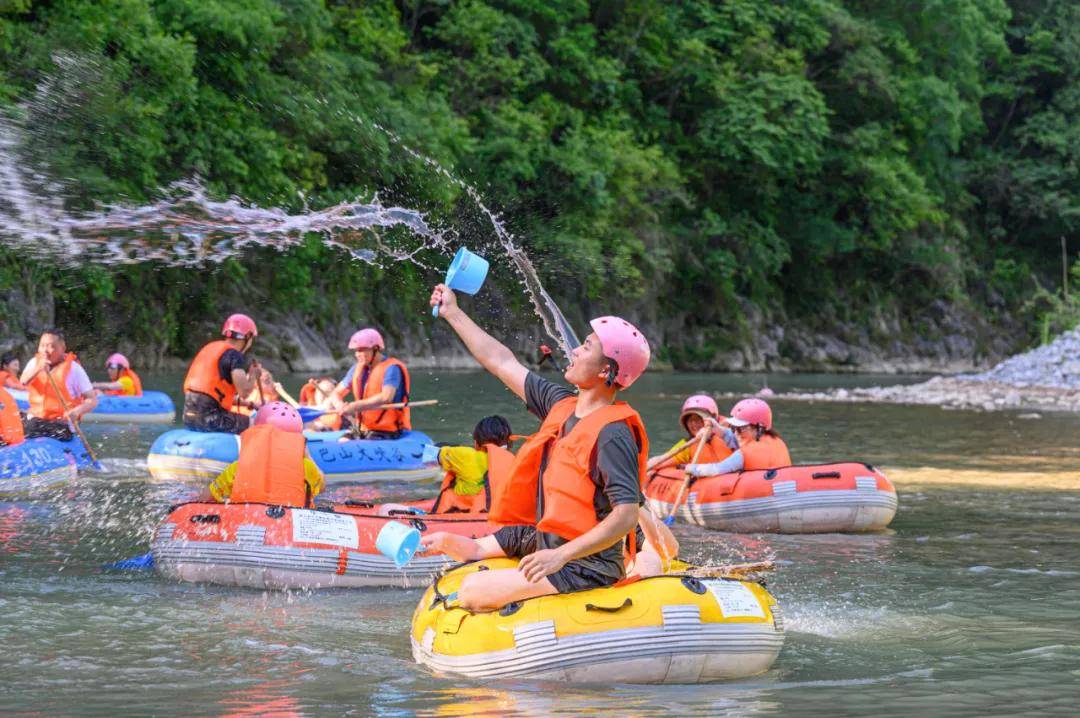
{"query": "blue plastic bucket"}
(398, 542)
(466, 273)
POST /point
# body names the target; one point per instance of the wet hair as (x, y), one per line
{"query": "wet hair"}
(492, 430)
(8, 358)
(56, 332)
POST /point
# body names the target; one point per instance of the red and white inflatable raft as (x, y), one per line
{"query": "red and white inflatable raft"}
(277, 547)
(845, 497)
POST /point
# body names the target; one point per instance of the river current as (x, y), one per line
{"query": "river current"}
(968, 605)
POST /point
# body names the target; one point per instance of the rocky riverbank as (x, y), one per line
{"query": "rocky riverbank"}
(1043, 379)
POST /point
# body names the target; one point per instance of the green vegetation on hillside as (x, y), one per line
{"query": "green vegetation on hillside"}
(822, 160)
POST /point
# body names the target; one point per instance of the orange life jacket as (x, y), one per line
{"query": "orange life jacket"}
(389, 420)
(11, 428)
(271, 468)
(567, 484)
(768, 452)
(715, 450)
(307, 395)
(204, 376)
(135, 381)
(44, 401)
(9, 380)
(499, 462)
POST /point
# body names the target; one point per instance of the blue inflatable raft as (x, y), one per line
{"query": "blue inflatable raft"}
(153, 407)
(183, 455)
(37, 463)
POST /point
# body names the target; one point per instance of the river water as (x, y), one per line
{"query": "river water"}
(968, 605)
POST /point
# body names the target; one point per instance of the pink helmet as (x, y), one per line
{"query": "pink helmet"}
(117, 360)
(280, 415)
(366, 339)
(698, 404)
(239, 326)
(751, 411)
(622, 342)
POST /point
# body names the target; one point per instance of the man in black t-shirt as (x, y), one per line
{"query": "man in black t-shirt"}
(219, 377)
(578, 545)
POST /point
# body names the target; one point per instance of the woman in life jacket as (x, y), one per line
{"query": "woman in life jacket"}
(696, 411)
(759, 446)
(264, 392)
(11, 428)
(574, 490)
(9, 371)
(374, 380)
(319, 393)
(465, 485)
(220, 374)
(122, 380)
(273, 467)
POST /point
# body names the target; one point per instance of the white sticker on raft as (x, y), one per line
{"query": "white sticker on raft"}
(735, 599)
(323, 527)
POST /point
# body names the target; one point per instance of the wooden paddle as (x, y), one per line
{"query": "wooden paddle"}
(670, 453)
(74, 422)
(735, 570)
(686, 479)
(286, 395)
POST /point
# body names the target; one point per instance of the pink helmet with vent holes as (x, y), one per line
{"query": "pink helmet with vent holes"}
(751, 411)
(698, 404)
(239, 326)
(280, 415)
(117, 360)
(366, 339)
(623, 343)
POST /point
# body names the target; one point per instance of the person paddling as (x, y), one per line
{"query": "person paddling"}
(574, 490)
(122, 380)
(9, 372)
(375, 380)
(219, 373)
(273, 467)
(696, 411)
(67, 397)
(759, 446)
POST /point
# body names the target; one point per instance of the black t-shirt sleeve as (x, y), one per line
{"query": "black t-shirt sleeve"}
(541, 394)
(617, 466)
(230, 360)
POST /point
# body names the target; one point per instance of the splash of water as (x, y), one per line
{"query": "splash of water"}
(188, 228)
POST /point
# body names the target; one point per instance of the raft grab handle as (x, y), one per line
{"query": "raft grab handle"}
(825, 475)
(609, 609)
(206, 519)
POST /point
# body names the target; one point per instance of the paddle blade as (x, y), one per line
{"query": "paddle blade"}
(309, 413)
(136, 563)
(668, 520)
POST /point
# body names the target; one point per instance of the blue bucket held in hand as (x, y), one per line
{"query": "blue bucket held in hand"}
(398, 542)
(466, 273)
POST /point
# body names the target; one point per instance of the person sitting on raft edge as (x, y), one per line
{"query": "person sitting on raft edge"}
(57, 401)
(274, 467)
(9, 371)
(218, 374)
(694, 416)
(375, 380)
(759, 446)
(122, 380)
(465, 486)
(595, 450)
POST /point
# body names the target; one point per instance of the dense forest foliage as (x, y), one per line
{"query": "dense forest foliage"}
(701, 161)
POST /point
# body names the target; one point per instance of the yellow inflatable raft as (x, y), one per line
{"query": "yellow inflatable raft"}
(666, 629)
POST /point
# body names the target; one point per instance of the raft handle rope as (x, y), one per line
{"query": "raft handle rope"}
(359, 504)
(275, 512)
(825, 475)
(770, 474)
(610, 609)
(694, 584)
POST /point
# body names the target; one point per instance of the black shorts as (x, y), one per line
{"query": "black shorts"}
(202, 413)
(520, 541)
(34, 428)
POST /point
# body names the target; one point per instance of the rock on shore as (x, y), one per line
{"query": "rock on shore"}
(1046, 378)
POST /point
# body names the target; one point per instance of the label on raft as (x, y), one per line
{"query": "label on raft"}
(735, 599)
(322, 527)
